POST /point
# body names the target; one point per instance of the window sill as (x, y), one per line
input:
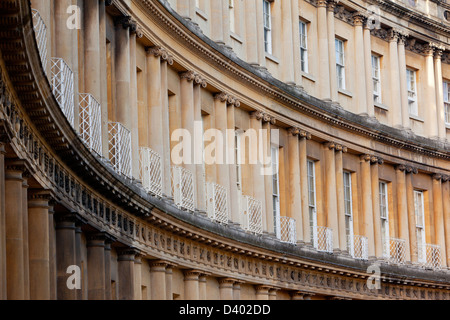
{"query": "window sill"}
(308, 76)
(236, 37)
(345, 93)
(272, 58)
(381, 106)
(201, 14)
(416, 118)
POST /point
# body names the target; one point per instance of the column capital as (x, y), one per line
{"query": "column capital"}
(340, 148)
(192, 275)
(358, 18)
(376, 160)
(393, 35)
(135, 28)
(445, 178)
(226, 282)
(429, 49)
(194, 77)
(158, 265)
(406, 169)
(322, 3)
(264, 117)
(124, 21)
(160, 52)
(127, 254)
(437, 176)
(39, 198)
(228, 98)
(366, 158)
(331, 4)
(439, 52)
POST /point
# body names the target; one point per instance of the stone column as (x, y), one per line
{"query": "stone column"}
(403, 81)
(368, 70)
(340, 150)
(446, 207)
(65, 253)
(259, 184)
(126, 273)
(297, 295)
(39, 245)
(234, 192)
(122, 72)
(367, 208)
(191, 284)
(442, 131)
(221, 122)
(303, 155)
(331, 4)
(3, 276)
(158, 279)
(52, 252)
(439, 222)
(187, 116)
(295, 196)
(108, 269)
(260, 34)
(167, 60)
(237, 290)
(323, 59)
(135, 33)
(63, 35)
(251, 32)
(376, 162)
(92, 61)
(103, 75)
(287, 61)
(202, 287)
(262, 292)
(198, 145)
(217, 23)
(169, 277)
(330, 192)
(83, 293)
(138, 277)
(26, 259)
(360, 60)
(396, 101)
(430, 113)
(96, 266)
(14, 231)
(226, 288)
(402, 208)
(411, 225)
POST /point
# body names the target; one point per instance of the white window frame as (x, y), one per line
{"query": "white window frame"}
(348, 198)
(303, 27)
(419, 209)
(384, 215)
(376, 77)
(411, 80)
(447, 101)
(340, 63)
(275, 151)
(267, 22)
(312, 200)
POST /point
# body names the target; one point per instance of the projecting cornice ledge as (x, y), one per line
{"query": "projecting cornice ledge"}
(288, 95)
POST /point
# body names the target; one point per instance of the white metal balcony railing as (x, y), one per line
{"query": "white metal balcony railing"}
(217, 202)
(40, 30)
(251, 210)
(91, 122)
(288, 231)
(119, 139)
(62, 84)
(323, 239)
(151, 171)
(360, 248)
(395, 250)
(429, 256)
(183, 188)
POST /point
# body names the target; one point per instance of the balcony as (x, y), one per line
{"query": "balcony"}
(183, 188)
(40, 31)
(429, 256)
(217, 203)
(91, 122)
(359, 247)
(251, 210)
(395, 250)
(151, 171)
(120, 148)
(323, 239)
(62, 86)
(286, 230)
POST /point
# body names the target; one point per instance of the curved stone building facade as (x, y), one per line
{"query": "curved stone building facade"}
(335, 123)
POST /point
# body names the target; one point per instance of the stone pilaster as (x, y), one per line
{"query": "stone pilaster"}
(339, 164)
(438, 211)
(96, 266)
(158, 279)
(409, 175)
(330, 191)
(191, 284)
(375, 179)
(431, 112)
(367, 206)
(360, 57)
(226, 288)
(126, 258)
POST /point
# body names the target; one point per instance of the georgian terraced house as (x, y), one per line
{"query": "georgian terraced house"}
(351, 99)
